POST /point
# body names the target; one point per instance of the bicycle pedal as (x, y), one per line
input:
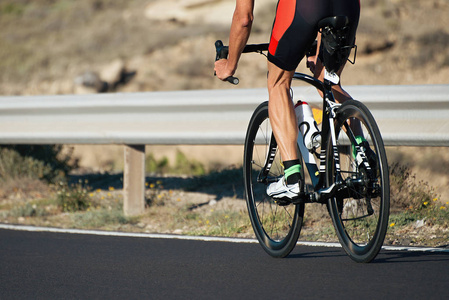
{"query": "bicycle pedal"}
(286, 201)
(301, 198)
(283, 201)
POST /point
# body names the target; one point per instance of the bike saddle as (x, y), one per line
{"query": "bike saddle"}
(336, 22)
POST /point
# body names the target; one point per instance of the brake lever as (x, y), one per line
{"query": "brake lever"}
(222, 53)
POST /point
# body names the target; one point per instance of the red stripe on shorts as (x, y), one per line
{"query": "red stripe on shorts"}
(284, 17)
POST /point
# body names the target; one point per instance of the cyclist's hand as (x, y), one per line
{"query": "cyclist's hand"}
(221, 69)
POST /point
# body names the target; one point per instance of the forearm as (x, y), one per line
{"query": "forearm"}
(240, 31)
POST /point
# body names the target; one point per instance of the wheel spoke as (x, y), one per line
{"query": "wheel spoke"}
(276, 227)
(360, 216)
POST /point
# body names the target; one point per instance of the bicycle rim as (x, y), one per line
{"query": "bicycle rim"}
(360, 214)
(276, 227)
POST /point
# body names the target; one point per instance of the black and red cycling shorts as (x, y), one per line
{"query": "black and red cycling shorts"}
(295, 27)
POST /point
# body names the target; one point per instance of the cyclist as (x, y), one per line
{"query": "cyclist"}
(294, 30)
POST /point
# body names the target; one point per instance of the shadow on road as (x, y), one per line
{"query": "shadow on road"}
(384, 257)
(410, 257)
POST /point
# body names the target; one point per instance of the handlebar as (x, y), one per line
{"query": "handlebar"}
(223, 51)
(256, 48)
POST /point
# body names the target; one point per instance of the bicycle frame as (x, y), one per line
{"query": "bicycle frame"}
(316, 176)
(321, 192)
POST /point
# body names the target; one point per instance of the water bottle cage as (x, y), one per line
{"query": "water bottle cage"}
(315, 138)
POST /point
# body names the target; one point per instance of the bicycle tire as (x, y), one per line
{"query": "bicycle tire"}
(276, 227)
(360, 216)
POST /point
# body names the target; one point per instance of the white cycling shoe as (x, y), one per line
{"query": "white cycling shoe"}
(282, 190)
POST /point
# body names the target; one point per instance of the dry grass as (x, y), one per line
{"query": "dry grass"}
(213, 205)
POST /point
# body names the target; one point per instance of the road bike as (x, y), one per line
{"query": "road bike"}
(352, 179)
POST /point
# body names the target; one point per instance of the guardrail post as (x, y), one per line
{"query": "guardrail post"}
(134, 180)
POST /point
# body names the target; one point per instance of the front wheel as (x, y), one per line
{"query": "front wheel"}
(360, 211)
(276, 225)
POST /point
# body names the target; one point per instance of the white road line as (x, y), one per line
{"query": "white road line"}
(196, 238)
(126, 234)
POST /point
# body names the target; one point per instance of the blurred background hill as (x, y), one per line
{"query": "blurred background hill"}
(88, 46)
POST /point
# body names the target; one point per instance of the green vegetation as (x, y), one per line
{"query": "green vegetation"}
(14, 166)
(101, 218)
(29, 210)
(34, 162)
(73, 198)
(155, 196)
(11, 8)
(415, 206)
(406, 192)
(219, 223)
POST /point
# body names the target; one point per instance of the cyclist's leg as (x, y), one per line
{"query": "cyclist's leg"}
(285, 129)
(340, 94)
(291, 36)
(281, 111)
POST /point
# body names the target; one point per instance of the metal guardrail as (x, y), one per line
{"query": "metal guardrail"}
(407, 115)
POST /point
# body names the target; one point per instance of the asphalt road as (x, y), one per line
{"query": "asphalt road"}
(42, 265)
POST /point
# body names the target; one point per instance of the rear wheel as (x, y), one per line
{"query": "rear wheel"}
(360, 212)
(276, 225)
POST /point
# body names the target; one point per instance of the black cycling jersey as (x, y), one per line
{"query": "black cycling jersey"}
(296, 27)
